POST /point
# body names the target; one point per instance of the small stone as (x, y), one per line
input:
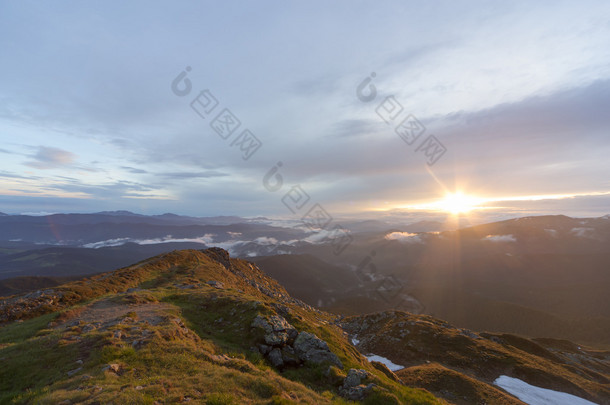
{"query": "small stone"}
(114, 367)
(216, 284)
(72, 372)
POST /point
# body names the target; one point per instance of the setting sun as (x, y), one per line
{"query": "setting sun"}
(458, 203)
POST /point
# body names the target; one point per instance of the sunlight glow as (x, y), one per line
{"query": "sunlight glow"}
(458, 203)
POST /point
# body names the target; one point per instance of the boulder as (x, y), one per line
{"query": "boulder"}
(278, 331)
(289, 357)
(357, 393)
(264, 349)
(309, 348)
(355, 377)
(275, 358)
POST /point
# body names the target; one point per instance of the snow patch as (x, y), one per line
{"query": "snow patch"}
(533, 395)
(500, 238)
(355, 341)
(388, 363)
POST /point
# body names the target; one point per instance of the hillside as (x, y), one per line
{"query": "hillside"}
(201, 327)
(461, 366)
(187, 326)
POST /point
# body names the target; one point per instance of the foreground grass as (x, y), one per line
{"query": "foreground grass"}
(199, 351)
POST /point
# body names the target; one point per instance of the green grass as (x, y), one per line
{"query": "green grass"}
(30, 365)
(213, 365)
(17, 332)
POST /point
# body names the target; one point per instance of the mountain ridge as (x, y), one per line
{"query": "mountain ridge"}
(241, 338)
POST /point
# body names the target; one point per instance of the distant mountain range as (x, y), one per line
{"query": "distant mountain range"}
(533, 275)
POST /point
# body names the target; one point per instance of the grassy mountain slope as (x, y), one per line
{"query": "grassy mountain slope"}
(438, 356)
(175, 328)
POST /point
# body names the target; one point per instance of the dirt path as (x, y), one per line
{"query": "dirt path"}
(108, 312)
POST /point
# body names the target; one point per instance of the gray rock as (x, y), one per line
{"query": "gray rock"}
(275, 358)
(88, 328)
(357, 393)
(355, 377)
(72, 372)
(216, 284)
(264, 349)
(310, 348)
(469, 333)
(273, 323)
(290, 357)
(292, 335)
(277, 329)
(276, 338)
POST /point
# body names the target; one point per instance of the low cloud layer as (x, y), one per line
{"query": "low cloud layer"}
(500, 238)
(404, 237)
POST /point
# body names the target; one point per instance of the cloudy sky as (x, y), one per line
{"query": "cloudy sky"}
(369, 107)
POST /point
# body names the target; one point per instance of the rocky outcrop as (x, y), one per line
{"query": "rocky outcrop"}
(284, 346)
(353, 388)
(278, 332)
(314, 350)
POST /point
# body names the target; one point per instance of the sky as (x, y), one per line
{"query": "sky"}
(362, 107)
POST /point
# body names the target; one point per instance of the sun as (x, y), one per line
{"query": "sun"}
(458, 203)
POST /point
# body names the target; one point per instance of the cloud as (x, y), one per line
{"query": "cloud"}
(356, 127)
(134, 170)
(107, 243)
(204, 240)
(500, 238)
(404, 237)
(264, 240)
(587, 233)
(303, 106)
(552, 232)
(50, 158)
(194, 175)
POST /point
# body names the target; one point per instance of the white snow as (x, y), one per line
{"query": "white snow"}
(533, 395)
(388, 363)
(355, 341)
